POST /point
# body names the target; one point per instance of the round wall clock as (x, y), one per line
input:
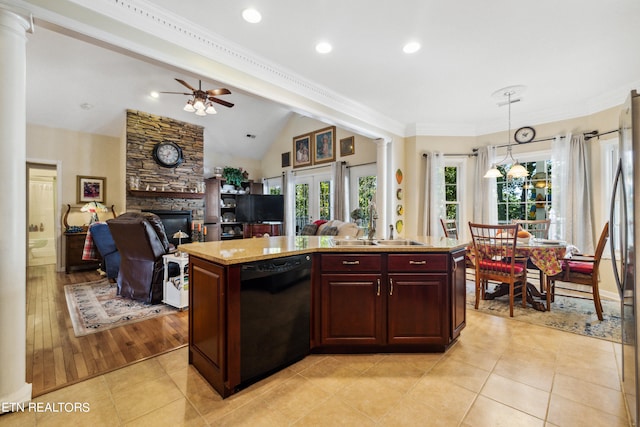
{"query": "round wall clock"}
(524, 134)
(167, 154)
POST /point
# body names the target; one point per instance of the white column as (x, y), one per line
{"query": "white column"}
(382, 173)
(14, 23)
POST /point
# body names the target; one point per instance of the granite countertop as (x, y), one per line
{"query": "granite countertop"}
(237, 251)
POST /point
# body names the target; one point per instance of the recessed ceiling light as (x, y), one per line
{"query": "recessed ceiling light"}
(86, 106)
(411, 47)
(154, 94)
(252, 16)
(323, 47)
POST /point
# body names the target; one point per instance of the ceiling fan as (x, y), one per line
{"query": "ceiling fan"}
(202, 101)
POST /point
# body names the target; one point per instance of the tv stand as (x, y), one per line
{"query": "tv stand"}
(258, 230)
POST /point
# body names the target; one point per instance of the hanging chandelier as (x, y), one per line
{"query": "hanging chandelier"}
(200, 106)
(516, 170)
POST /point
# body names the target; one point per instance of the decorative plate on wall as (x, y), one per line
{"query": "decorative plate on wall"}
(399, 176)
(399, 194)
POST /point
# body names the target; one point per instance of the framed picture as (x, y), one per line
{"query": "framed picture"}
(286, 159)
(325, 145)
(347, 146)
(91, 189)
(302, 147)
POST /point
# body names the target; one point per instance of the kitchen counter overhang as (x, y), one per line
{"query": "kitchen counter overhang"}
(249, 250)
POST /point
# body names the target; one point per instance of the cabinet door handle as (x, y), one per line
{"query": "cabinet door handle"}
(390, 287)
(378, 291)
(412, 262)
(350, 262)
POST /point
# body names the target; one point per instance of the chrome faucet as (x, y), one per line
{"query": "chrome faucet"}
(390, 231)
(373, 215)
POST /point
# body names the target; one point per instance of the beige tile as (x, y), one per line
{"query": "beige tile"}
(358, 362)
(605, 377)
(400, 376)
(142, 398)
(460, 373)
(475, 356)
(408, 413)
(593, 395)
(177, 413)
(255, 413)
(448, 399)
(18, 419)
(517, 395)
(330, 375)
(526, 372)
(295, 397)
(174, 360)
(334, 412)
(91, 390)
(99, 413)
(422, 361)
(567, 413)
(308, 361)
(370, 397)
(587, 359)
(488, 413)
(131, 375)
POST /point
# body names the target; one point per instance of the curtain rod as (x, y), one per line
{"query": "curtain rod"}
(587, 136)
(454, 154)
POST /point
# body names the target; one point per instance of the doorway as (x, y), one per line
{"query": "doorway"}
(312, 199)
(42, 186)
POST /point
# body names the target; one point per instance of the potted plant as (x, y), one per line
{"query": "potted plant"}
(233, 176)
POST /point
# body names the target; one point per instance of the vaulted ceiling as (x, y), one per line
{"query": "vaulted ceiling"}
(575, 57)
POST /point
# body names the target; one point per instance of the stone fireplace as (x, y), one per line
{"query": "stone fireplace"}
(160, 188)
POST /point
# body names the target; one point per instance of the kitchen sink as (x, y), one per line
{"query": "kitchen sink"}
(354, 242)
(398, 242)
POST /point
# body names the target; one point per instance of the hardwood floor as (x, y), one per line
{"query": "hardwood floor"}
(56, 357)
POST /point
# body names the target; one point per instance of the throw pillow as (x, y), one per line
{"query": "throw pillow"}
(329, 231)
(309, 230)
(319, 222)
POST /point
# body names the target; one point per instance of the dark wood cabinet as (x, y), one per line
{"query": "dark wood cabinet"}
(387, 300)
(220, 209)
(212, 201)
(258, 230)
(458, 293)
(73, 247)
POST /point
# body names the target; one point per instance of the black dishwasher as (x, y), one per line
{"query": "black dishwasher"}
(275, 303)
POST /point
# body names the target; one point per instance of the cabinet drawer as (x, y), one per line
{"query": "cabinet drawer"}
(347, 262)
(418, 262)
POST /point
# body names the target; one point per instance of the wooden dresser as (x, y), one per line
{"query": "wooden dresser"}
(74, 244)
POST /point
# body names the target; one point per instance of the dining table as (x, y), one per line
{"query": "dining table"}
(547, 255)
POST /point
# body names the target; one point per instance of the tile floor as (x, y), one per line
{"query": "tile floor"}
(500, 373)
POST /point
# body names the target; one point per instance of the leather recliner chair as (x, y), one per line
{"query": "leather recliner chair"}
(103, 241)
(141, 241)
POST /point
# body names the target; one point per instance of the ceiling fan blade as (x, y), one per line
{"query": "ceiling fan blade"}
(179, 93)
(216, 92)
(182, 82)
(220, 101)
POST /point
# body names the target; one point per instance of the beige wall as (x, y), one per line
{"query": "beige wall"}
(79, 154)
(365, 148)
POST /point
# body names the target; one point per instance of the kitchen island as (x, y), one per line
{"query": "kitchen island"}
(360, 296)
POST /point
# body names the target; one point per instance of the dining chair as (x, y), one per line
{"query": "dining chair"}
(494, 247)
(450, 228)
(583, 270)
(539, 228)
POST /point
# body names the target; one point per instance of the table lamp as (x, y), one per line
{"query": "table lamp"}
(94, 207)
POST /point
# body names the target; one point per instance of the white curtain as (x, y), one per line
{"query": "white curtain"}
(340, 191)
(289, 203)
(485, 191)
(571, 216)
(434, 196)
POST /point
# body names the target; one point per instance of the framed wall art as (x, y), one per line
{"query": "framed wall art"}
(302, 147)
(325, 145)
(286, 159)
(91, 189)
(347, 146)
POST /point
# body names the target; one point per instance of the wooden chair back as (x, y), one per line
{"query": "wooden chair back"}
(539, 228)
(494, 248)
(450, 228)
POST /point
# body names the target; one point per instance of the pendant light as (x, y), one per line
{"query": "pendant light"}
(516, 170)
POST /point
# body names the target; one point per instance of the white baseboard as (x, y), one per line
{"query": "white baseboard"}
(23, 395)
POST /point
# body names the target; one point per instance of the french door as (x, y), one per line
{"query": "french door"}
(312, 199)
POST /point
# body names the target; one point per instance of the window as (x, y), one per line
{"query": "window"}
(452, 201)
(525, 198)
(272, 185)
(363, 184)
(312, 199)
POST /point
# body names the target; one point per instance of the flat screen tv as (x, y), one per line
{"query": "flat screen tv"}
(174, 221)
(256, 208)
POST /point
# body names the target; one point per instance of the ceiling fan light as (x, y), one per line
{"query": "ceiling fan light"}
(189, 107)
(210, 109)
(494, 172)
(198, 105)
(517, 171)
(200, 113)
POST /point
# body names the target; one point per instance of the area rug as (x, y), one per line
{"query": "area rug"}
(94, 307)
(567, 314)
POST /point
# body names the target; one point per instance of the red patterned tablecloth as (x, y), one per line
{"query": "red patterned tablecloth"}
(547, 257)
